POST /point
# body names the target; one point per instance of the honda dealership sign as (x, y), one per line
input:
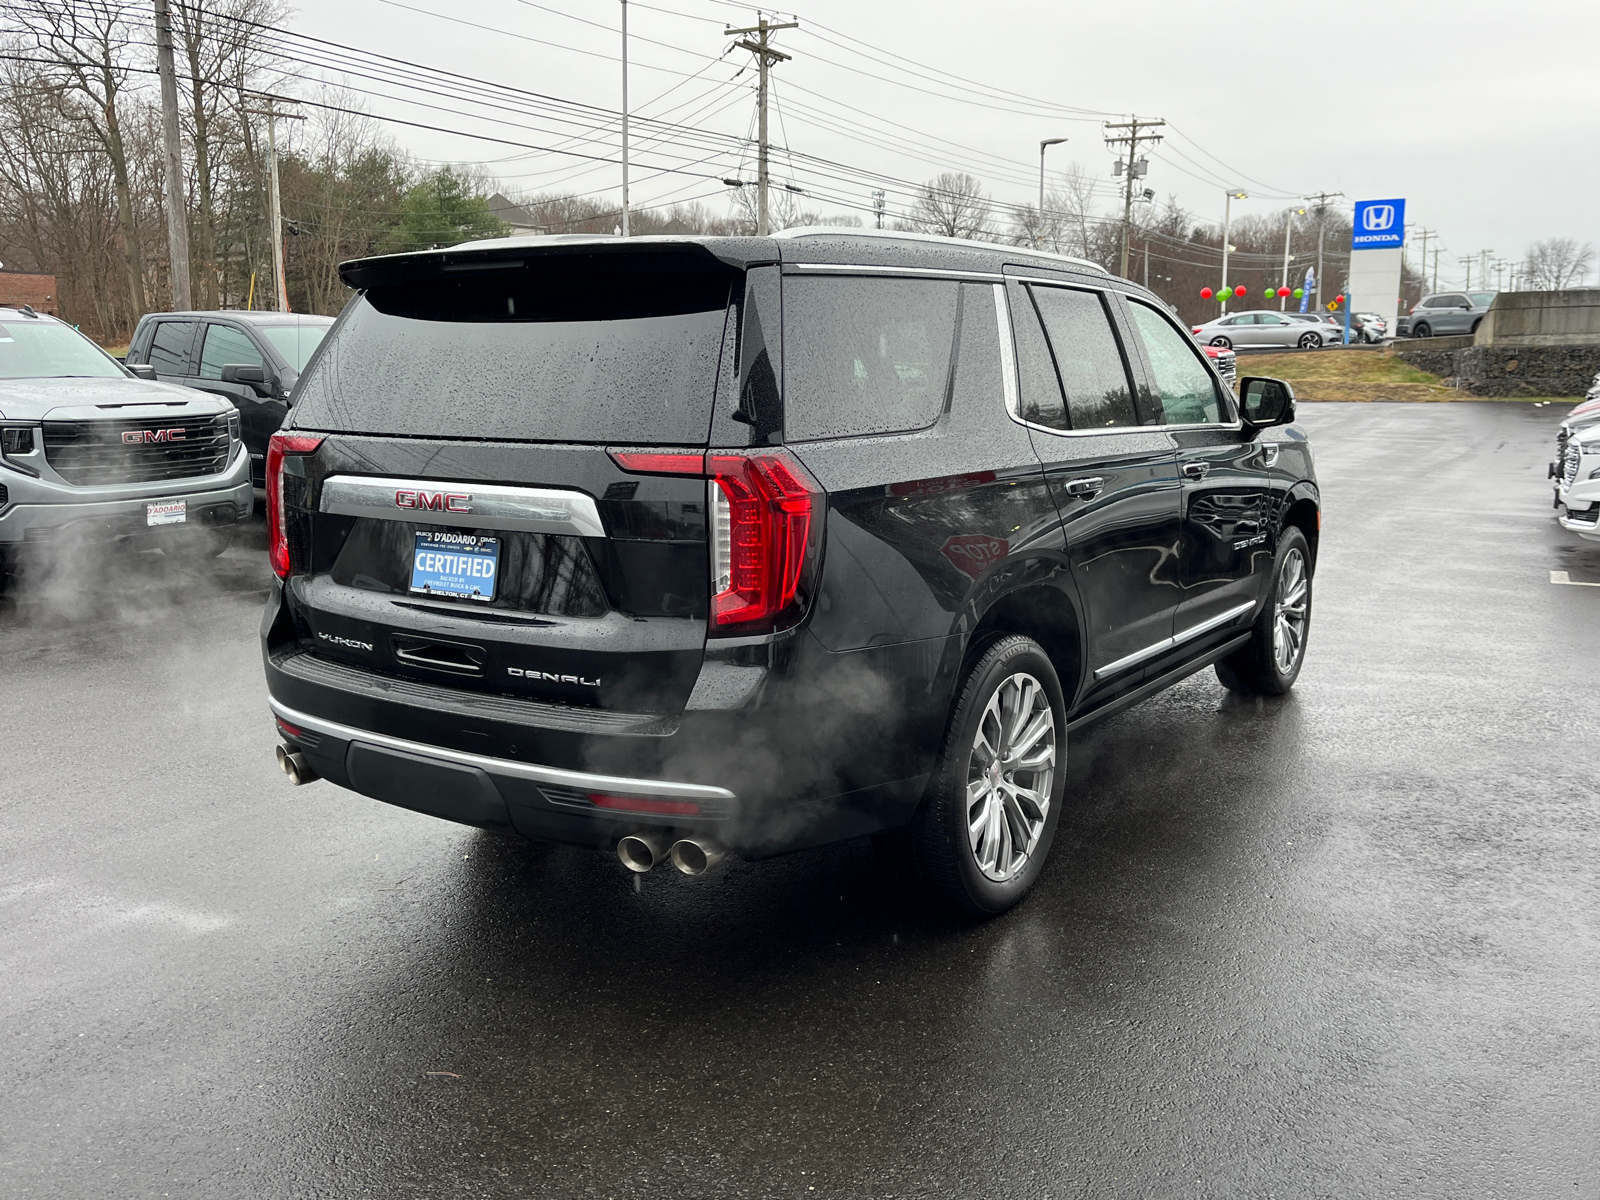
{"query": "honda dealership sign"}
(1377, 249)
(1379, 225)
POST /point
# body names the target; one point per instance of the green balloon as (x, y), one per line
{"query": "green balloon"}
(1298, 292)
(1226, 293)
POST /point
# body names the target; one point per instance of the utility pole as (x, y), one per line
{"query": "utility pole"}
(1288, 226)
(878, 206)
(1147, 264)
(624, 118)
(1227, 223)
(274, 204)
(1126, 133)
(1468, 261)
(177, 210)
(1425, 235)
(1435, 286)
(766, 56)
(1038, 240)
(1321, 201)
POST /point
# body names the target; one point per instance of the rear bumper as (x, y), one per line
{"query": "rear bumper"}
(765, 775)
(38, 510)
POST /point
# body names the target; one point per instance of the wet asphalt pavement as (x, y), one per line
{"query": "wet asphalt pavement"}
(1342, 944)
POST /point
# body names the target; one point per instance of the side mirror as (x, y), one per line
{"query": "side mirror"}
(141, 371)
(1264, 402)
(255, 376)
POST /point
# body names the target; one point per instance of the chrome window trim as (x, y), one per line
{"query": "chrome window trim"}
(904, 272)
(1008, 353)
(531, 510)
(1161, 647)
(582, 780)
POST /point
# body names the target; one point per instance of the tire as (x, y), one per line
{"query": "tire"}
(1310, 341)
(1270, 662)
(1475, 325)
(1222, 341)
(1421, 331)
(982, 867)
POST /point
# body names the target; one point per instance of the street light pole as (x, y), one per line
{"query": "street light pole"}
(1038, 240)
(1227, 221)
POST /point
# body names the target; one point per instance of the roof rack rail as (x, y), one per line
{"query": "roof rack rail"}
(802, 231)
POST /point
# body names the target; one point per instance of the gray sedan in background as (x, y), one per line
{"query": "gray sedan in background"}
(1263, 328)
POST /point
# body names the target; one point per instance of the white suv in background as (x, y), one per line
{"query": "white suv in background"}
(1577, 472)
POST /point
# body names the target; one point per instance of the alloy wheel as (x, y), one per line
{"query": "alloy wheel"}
(1310, 341)
(1011, 776)
(1223, 342)
(1289, 621)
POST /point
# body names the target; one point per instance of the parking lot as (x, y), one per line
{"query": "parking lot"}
(1345, 943)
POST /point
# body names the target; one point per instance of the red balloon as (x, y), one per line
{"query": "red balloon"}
(1239, 291)
(1338, 299)
(1205, 293)
(1283, 291)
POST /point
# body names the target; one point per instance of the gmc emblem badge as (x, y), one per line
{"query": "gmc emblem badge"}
(454, 502)
(138, 437)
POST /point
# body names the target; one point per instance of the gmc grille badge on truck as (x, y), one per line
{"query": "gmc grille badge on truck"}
(139, 437)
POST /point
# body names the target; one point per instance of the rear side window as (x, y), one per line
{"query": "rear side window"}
(1185, 389)
(169, 352)
(1094, 378)
(226, 346)
(865, 356)
(574, 348)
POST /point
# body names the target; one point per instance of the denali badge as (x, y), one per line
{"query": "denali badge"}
(138, 437)
(456, 502)
(344, 641)
(547, 677)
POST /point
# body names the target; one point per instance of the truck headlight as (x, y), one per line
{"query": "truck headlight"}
(233, 425)
(15, 439)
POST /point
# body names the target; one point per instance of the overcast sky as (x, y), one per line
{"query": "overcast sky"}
(1480, 113)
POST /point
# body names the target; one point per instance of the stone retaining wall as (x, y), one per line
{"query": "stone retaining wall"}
(1509, 370)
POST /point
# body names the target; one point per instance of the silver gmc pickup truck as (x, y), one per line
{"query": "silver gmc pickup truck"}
(91, 451)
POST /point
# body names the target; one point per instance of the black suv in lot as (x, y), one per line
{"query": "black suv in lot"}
(696, 545)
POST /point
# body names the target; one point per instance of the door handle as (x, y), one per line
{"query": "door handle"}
(1269, 454)
(1087, 488)
(1196, 470)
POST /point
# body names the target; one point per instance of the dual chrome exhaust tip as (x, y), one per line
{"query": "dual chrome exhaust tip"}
(641, 851)
(293, 764)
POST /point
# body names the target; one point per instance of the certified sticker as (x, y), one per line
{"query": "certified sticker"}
(166, 512)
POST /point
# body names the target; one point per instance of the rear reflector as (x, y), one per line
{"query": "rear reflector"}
(291, 730)
(638, 804)
(656, 462)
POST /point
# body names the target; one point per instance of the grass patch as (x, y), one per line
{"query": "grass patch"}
(1363, 375)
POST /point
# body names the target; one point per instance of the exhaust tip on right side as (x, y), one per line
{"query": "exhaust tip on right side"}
(696, 856)
(293, 764)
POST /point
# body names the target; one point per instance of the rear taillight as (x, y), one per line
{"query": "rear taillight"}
(282, 444)
(762, 507)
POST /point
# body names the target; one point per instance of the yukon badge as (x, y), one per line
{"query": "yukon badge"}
(453, 502)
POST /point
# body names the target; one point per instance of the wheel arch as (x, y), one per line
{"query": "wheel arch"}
(1037, 607)
(1304, 512)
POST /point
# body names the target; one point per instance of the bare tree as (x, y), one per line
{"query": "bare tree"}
(223, 45)
(90, 45)
(1557, 263)
(953, 205)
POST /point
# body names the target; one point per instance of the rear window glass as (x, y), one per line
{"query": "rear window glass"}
(581, 349)
(1094, 378)
(169, 353)
(865, 356)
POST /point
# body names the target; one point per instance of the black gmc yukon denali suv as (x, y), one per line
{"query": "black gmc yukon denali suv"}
(686, 546)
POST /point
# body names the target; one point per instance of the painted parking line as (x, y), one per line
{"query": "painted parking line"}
(1561, 577)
